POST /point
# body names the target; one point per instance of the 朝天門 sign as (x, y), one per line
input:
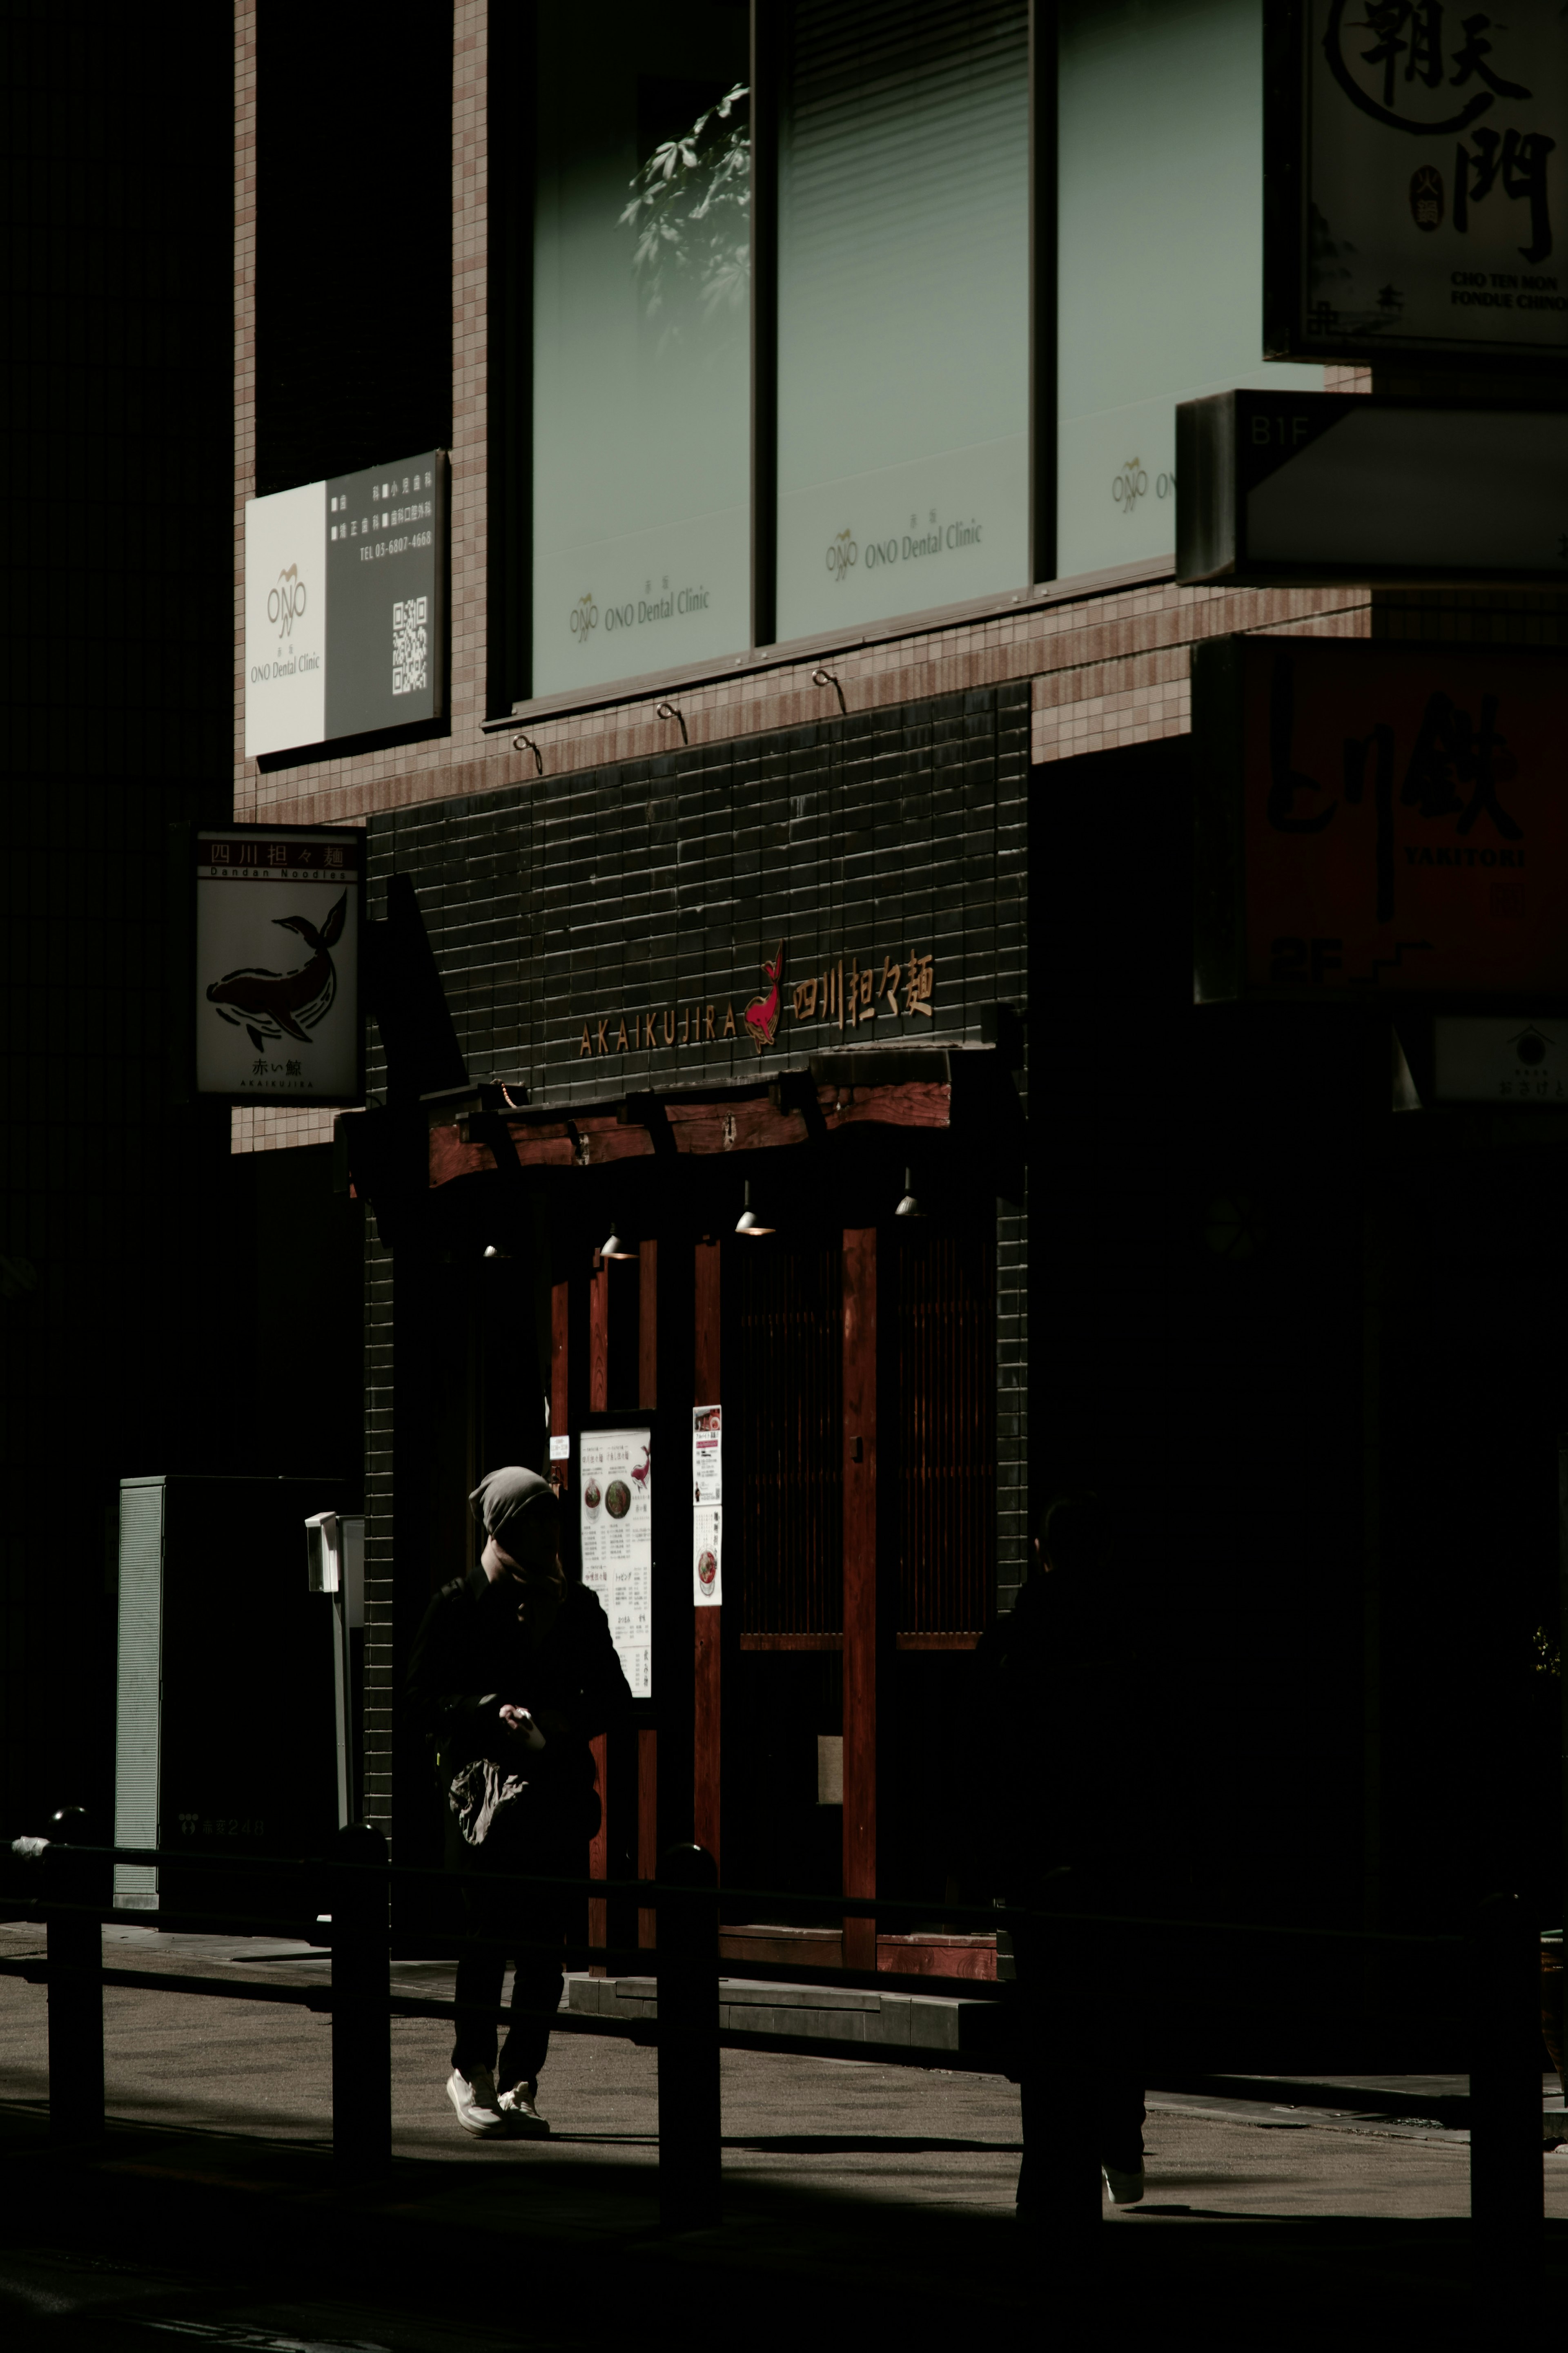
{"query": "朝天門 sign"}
(274, 992)
(1380, 822)
(1281, 488)
(346, 591)
(1415, 197)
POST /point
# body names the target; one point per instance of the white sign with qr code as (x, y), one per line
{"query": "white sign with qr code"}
(410, 646)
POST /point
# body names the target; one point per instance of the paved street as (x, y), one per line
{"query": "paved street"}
(883, 2189)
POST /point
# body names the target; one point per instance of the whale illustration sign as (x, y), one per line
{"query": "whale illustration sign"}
(276, 964)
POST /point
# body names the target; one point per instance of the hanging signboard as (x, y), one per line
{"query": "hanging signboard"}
(1281, 489)
(1414, 175)
(614, 1476)
(345, 624)
(276, 995)
(1509, 1060)
(1380, 820)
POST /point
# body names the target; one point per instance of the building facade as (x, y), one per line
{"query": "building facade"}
(813, 802)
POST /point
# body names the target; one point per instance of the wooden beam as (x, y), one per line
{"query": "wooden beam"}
(792, 1642)
(648, 1738)
(647, 1323)
(859, 1291)
(708, 1630)
(560, 1400)
(599, 1340)
(596, 1139)
(598, 1400)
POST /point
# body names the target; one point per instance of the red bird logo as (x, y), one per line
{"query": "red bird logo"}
(762, 1013)
(641, 1471)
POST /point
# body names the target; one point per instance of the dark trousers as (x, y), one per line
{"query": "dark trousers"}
(529, 1928)
(1080, 2041)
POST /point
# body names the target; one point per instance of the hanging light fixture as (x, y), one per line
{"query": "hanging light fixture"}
(617, 1245)
(909, 1207)
(752, 1221)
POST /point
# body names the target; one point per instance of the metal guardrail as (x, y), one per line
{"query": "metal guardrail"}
(1506, 2178)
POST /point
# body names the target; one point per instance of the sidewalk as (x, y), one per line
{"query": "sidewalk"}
(853, 2191)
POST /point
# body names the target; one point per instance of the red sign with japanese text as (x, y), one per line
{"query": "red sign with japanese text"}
(1404, 818)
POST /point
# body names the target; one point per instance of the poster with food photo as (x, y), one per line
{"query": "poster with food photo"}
(707, 1555)
(616, 1515)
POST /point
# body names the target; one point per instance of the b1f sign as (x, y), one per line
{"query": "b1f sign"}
(277, 920)
(1285, 488)
(345, 623)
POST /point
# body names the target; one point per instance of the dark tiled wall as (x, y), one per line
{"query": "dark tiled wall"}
(118, 721)
(617, 893)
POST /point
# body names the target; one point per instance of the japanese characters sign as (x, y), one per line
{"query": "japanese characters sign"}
(345, 621)
(615, 1474)
(276, 1009)
(1381, 820)
(1415, 161)
(896, 986)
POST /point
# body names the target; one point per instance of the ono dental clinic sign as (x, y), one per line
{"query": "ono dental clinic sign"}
(346, 591)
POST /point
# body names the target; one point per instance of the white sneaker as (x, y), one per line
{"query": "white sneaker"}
(479, 2110)
(1126, 2188)
(524, 2119)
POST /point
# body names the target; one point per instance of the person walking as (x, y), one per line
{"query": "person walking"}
(513, 1671)
(1054, 1699)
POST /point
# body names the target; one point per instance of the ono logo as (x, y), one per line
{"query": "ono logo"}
(286, 600)
(584, 616)
(1129, 485)
(842, 554)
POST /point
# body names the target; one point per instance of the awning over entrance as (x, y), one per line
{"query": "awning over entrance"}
(920, 1093)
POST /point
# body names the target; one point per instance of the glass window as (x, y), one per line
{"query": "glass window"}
(903, 309)
(641, 336)
(1160, 268)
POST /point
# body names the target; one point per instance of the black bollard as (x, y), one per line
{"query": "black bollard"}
(75, 1896)
(1506, 2185)
(688, 1971)
(362, 2020)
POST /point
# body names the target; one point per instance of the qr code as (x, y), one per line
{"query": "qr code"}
(410, 647)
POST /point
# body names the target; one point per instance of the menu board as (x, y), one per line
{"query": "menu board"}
(707, 1454)
(615, 1477)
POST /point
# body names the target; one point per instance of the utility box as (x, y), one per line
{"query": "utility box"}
(225, 1702)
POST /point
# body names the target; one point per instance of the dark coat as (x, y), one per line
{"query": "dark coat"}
(1051, 1722)
(470, 1657)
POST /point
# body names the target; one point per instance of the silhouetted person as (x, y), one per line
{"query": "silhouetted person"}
(513, 1673)
(1051, 1740)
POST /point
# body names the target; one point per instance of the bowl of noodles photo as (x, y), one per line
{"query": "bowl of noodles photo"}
(618, 1499)
(591, 1494)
